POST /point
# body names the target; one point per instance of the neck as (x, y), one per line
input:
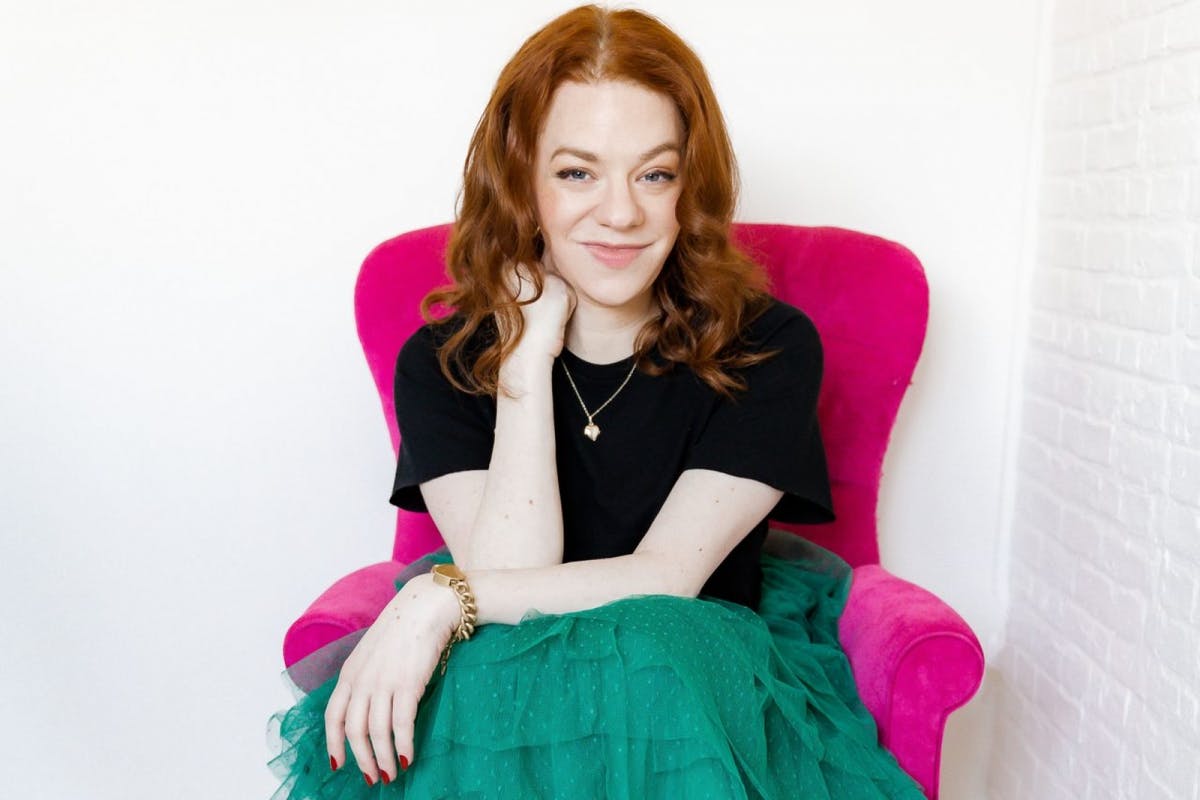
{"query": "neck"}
(604, 335)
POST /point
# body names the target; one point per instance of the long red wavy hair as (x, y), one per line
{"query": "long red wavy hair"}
(707, 290)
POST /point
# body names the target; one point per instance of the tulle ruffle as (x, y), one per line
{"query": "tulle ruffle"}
(645, 697)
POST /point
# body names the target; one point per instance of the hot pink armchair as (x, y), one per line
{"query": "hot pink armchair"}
(914, 659)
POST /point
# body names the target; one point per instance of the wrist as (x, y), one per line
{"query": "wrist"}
(457, 584)
(444, 607)
(527, 360)
(525, 371)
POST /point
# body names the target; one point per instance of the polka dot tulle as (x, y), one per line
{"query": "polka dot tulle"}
(645, 697)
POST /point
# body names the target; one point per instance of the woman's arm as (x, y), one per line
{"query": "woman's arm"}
(510, 515)
(374, 704)
(705, 516)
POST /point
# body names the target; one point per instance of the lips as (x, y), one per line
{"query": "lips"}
(615, 256)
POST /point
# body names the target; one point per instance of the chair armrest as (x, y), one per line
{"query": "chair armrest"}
(914, 661)
(352, 603)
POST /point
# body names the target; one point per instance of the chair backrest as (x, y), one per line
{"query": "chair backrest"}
(866, 295)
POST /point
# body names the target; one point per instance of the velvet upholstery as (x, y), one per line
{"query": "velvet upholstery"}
(914, 659)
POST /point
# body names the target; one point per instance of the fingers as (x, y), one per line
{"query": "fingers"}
(335, 724)
(574, 299)
(380, 727)
(404, 715)
(356, 733)
(369, 722)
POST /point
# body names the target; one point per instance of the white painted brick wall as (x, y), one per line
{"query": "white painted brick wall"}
(1100, 670)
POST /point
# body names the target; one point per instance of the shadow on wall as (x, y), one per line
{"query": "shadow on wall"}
(968, 742)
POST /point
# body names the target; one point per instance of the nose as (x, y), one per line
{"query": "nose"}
(618, 206)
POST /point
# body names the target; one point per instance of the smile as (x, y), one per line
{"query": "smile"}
(614, 256)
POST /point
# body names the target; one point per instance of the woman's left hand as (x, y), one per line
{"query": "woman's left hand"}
(384, 678)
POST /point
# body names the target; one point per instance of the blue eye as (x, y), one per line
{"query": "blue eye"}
(661, 175)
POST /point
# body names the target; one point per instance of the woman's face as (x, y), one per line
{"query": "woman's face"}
(607, 174)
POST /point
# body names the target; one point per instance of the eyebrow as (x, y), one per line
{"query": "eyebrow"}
(592, 157)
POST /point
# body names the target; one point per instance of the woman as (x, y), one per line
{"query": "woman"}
(601, 430)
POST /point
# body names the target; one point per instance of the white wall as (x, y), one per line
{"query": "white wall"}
(1099, 686)
(191, 444)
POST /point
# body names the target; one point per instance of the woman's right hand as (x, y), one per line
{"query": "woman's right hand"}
(545, 318)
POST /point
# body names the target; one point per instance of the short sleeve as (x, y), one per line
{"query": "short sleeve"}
(770, 433)
(442, 429)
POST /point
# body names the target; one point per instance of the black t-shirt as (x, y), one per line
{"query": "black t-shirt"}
(656, 427)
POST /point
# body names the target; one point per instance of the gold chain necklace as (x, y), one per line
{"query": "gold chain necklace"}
(592, 430)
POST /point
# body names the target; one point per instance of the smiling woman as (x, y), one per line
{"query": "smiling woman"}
(601, 429)
(605, 204)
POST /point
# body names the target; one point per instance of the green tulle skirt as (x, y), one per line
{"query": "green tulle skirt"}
(645, 697)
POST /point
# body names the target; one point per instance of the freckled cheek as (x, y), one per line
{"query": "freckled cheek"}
(550, 209)
(566, 209)
(560, 216)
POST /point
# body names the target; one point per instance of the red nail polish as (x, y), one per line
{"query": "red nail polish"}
(367, 778)
(384, 776)
(332, 763)
(403, 763)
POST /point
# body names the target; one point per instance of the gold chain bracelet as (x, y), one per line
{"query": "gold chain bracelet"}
(450, 575)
